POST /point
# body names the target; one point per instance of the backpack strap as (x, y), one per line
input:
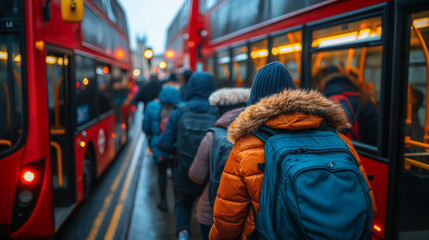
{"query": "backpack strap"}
(264, 132)
(325, 127)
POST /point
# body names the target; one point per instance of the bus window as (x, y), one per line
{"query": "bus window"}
(223, 60)
(55, 73)
(86, 108)
(414, 179)
(11, 109)
(104, 83)
(239, 66)
(416, 119)
(354, 73)
(259, 55)
(287, 50)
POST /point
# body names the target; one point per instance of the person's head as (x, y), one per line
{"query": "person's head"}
(172, 77)
(337, 83)
(154, 78)
(200, 86)
(229, 98)
(187, 75)
(270, 79)
(322, 73)
(169, 95)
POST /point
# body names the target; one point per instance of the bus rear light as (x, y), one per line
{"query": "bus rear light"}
(27, 192)
(114, 135)
(123, 126)
(377, 228)
(28, 176)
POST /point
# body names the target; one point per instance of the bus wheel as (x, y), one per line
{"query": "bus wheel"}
(88, 174)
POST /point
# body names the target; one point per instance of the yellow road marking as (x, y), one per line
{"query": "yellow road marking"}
(124, 192)
(108, 200)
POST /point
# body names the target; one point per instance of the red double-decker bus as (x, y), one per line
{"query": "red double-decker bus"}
(382, 44)
(62, 115)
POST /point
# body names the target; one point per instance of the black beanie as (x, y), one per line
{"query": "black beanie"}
(270, 79)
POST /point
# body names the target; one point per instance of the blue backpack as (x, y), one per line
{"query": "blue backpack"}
(312, 188)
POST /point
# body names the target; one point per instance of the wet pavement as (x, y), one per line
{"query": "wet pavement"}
(123, 202)
(147, 221)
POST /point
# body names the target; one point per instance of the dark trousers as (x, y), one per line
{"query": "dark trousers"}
(162, 179)
(205, 230)
(183, 210)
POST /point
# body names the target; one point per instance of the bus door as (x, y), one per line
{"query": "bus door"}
(407, 213)
(61, 155)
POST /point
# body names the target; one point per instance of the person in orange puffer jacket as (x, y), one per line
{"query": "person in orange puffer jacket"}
(275, 102)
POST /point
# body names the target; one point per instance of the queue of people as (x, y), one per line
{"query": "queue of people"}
(270, 162)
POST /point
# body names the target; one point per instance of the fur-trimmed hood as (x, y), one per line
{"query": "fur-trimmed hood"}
(229, 96)
(289, 101)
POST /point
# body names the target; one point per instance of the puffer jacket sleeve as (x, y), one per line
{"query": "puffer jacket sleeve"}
(362, 170)
(199, 170)
(232, 202)
(167, 142)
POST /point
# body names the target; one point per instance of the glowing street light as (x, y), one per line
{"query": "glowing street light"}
(136, 72)
(148, 53)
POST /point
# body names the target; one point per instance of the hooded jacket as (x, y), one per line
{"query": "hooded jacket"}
(151, 121)
(199, 170)
(365, 110)
(241, 180)
(200, 86)
(233, 99)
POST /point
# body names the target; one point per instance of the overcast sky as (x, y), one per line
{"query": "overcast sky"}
(150, 17)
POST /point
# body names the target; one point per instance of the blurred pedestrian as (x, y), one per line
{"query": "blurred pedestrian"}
(156, 114)
(362, 113)
(186, 76)
(276, 104)
(182, 135)
(148, 91)
(213, 152)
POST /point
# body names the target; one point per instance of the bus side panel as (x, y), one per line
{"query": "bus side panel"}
(106, 153)
(9, 173)
(40, 224)
(100, 137)
(379, 171)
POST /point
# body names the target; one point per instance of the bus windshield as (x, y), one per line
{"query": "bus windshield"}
(11, 104)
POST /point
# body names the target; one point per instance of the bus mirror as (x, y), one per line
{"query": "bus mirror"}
(72, 10)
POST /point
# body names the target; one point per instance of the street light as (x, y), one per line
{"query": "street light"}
(148, 54)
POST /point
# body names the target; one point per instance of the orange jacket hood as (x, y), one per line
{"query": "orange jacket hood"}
(291, 109)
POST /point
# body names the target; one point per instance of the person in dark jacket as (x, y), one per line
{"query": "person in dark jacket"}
(169, 96)
(230, 102)
(148, 91)
(200, 86)
(186, 76)
(361, 112)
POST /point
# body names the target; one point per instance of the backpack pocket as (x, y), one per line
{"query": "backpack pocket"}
(326, 198)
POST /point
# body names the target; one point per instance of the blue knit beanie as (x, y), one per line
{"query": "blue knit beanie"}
(270, 79)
